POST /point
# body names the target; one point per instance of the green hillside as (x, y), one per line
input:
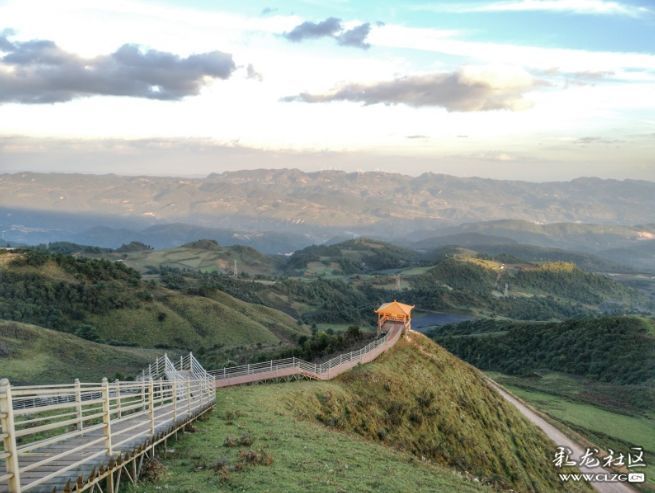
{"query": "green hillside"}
(357, 256)
(466, 280)
(108, 301)
(514, 253)
(35, 355)
(618, 350)
(593, 376)
(203, 256)
(416, 419)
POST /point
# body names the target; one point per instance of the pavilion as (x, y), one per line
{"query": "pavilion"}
(394, 312)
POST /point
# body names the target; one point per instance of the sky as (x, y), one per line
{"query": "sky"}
(533, 90)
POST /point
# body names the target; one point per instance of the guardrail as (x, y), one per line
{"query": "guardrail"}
(321, 371)
(52, 433)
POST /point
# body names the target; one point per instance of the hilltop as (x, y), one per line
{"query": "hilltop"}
(416, 419)
(203, 256)
(358, 256)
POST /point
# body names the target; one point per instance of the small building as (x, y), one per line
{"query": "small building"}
(394, 313)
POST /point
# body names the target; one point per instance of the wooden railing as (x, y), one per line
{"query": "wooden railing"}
(280, 368)
(50, 430)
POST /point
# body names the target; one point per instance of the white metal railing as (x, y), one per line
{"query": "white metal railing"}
(39, 421)
(317, 370)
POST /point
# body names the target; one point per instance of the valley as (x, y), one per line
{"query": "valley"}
(484, 304)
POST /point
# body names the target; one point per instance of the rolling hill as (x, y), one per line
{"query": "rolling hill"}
(203, 256)
(465, 280)
(35, 355)
(108, 301)
(356, 256)
(416, 419)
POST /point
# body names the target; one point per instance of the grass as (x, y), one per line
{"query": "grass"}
(602, 427)
(173, 319)
(34, 355)
(305, 455)
(416, 419)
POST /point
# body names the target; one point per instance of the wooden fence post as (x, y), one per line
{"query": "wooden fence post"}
(106, 415)
(151, 405)
(174, 391)
(78, 405)
(188, 396)
(117, 386)
(9, 439)
(143, 394)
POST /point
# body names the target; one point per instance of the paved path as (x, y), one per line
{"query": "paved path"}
(561, 439)
(285, 368)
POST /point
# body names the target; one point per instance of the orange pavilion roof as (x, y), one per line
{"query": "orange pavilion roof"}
(395, 308)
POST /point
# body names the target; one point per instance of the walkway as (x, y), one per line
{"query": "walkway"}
(290, 367)
(76, 437)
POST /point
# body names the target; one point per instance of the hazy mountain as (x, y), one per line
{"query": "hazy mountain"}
(289, 198)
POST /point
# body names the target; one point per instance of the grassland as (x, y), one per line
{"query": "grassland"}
(306, 456)
(416, 419)
(34, 355)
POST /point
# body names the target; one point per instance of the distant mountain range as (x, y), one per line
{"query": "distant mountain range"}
(280, 211)
(330, 198)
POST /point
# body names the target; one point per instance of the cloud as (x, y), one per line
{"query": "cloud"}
(588, 7)
(308, 30)
(251, 73)
(331, 28)
(597, 140)
(38, 71)
(468, 89)
(356, 36)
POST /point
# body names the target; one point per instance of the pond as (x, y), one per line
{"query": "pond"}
(423, 321)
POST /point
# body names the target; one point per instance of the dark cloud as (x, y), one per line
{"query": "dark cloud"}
(356, 36)
(457, 91)
(5, 44)
(331, 28)
(39, 71)
(307, 30)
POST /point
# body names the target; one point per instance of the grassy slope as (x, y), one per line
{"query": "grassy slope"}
(368, 440)
(464, 425)
(34, 355)
(196, 321)
(154, 316)
(306, 456)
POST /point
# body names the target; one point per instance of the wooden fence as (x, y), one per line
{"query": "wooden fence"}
(283, 368)
(73, 437)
